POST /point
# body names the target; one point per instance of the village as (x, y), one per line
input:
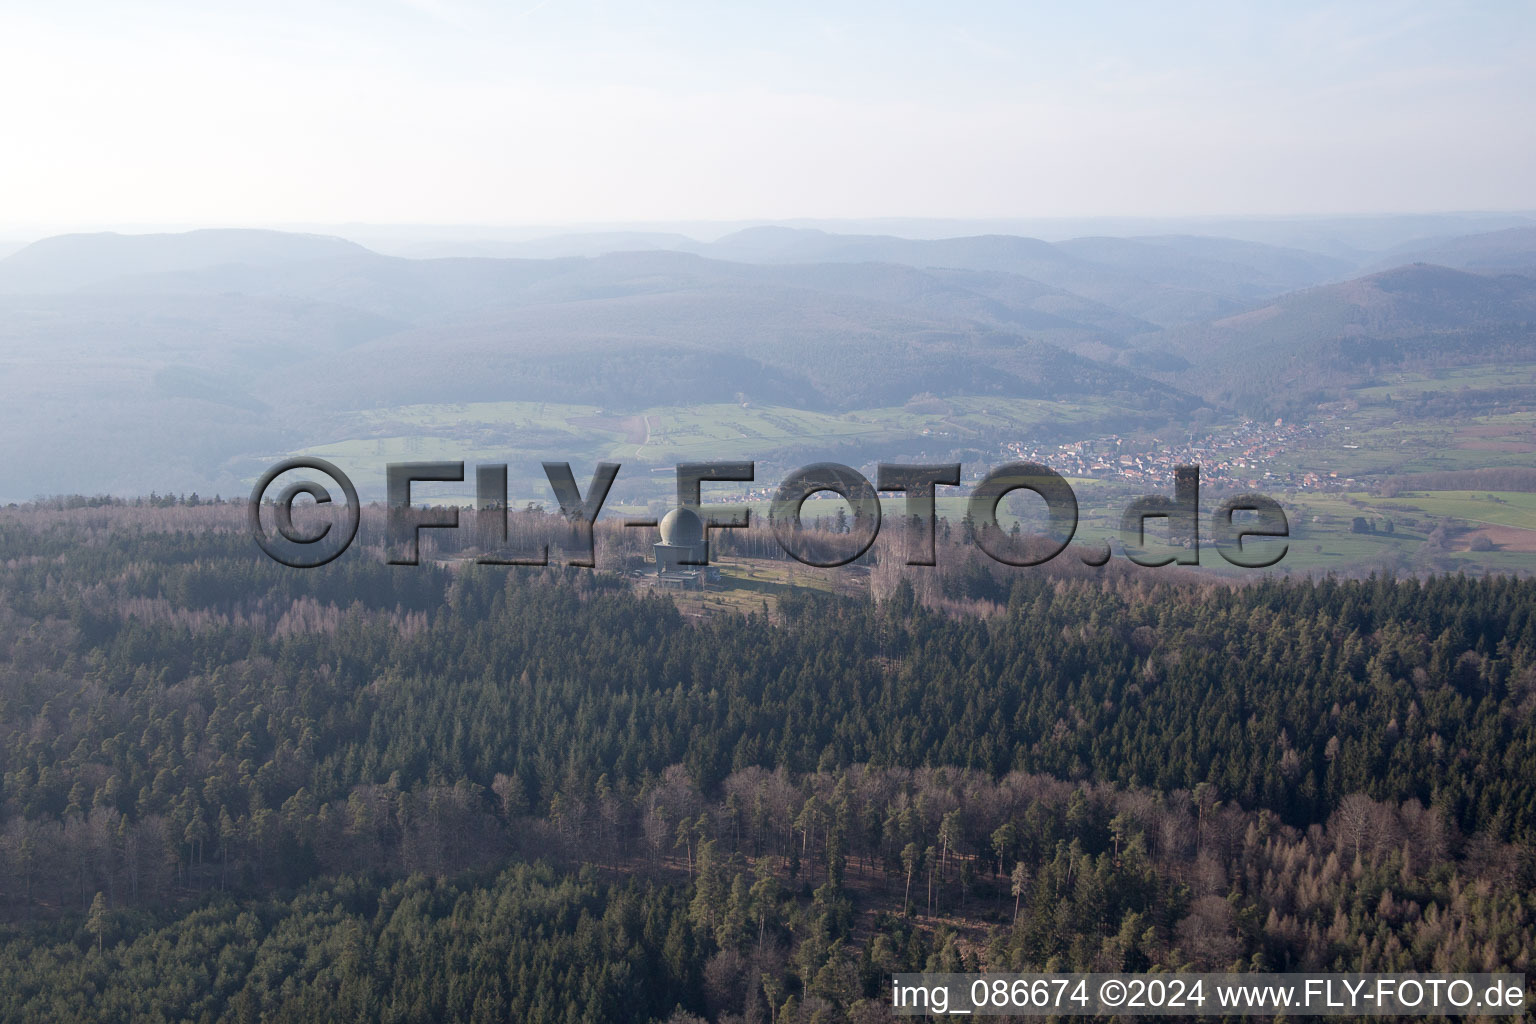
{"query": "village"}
(1240, 458)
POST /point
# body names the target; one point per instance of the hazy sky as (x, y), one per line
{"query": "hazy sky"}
(551, 111)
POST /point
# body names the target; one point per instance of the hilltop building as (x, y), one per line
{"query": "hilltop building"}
(683, 550)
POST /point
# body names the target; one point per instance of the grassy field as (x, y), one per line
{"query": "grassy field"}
(1502, 508)
(742, 432)
(667, 433)
(523, 434)
(1404, 384)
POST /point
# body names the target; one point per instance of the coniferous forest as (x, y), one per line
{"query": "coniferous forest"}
(230, 790)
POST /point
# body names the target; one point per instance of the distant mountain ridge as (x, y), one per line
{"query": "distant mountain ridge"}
(816, 350)
(206, 348)
(1510, 250)
(197, 350)
(1124, 288)
(68, 262)
(1421, 316)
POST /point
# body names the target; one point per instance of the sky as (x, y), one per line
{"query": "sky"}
(579, 112)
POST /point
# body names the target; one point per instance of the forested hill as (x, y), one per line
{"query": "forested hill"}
(1305, 342)
(1104, 774)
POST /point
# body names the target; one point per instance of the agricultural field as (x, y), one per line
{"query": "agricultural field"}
(1404, 384)
(1467, 418)
(1486, 508)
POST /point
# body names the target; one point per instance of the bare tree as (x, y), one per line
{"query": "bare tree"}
(1351, 824)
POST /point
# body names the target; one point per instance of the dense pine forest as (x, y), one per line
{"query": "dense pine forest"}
(230, 790)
